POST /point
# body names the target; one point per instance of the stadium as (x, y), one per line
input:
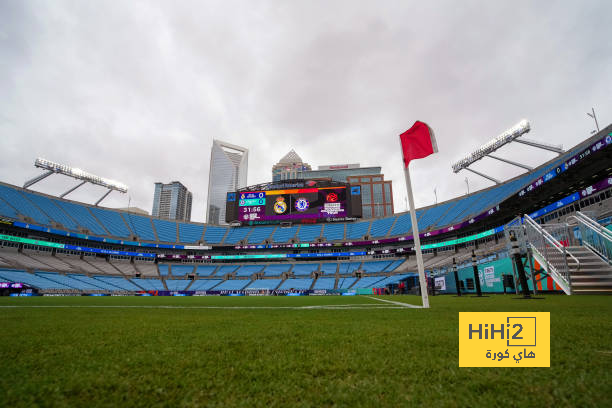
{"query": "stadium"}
(291, 282)
(56, 246)
(305, 204)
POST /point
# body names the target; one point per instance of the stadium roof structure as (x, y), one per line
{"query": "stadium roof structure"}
(510, 135)
(76, 173)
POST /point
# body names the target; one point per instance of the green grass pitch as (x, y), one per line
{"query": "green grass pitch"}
(288, 351)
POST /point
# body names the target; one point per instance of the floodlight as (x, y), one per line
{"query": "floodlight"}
(508, 136)
(80, 174)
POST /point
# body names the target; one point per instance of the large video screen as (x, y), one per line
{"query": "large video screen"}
(256, 207)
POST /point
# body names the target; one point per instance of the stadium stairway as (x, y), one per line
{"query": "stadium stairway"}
(594, 276)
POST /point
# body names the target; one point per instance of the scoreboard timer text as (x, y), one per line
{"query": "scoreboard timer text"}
(504, 339)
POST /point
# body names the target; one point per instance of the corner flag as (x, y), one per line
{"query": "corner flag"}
(417, 142)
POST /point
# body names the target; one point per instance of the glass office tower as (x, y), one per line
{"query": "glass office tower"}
(228, 172)
(172, 201)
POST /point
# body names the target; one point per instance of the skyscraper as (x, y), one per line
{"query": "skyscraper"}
(172, 201)
(228, 172)
(290, 166)
(376, 192)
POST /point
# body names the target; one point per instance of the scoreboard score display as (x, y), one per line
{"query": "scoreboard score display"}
(299, 205)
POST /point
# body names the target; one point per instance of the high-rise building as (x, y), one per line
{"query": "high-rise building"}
(172, 201)
(228, 172)
(376, 195)
(289, 167)
(376, 192)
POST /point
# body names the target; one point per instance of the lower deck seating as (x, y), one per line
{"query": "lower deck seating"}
(149, 284)
(325, 283)
(232, 284)
(301, 284)
(31, 279)
(345, 283)
(367, 282)
(204, 284)
(264, 284)
(177, 284)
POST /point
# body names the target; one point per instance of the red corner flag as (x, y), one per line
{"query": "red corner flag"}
(418, 142)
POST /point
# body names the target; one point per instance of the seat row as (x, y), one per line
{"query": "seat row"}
(57, 281)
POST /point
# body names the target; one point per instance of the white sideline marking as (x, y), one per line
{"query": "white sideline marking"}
(312, 307)
(408, 305)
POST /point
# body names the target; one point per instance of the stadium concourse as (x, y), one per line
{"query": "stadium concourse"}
(54, 245)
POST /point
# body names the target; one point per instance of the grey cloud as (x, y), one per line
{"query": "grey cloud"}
(137, 91)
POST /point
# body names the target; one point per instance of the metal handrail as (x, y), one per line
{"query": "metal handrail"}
(551, 239)
(553, 255)
(594, 236)
(604, 232)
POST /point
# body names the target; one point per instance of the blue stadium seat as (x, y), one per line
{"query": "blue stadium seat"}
(375, 266)
(23, 205)
(141, 226)
(456, 211)
(357, 230)
(305, 269)
(284, 234)
(394, 265)
(190, 233)
(298, 284)
(367, 282)
(348, 267)
(403, 225)
(205, 270)
(52, 210)
(276, 270)
(214, 235)
(345, 283)
(205, 284)
(163, 269)
(112, 221)
(177, 284)
(119, 282)
(30, 279)
(260, 234)
(6, 210)
(67, 281)
(233, 284)
(82, 216)
(380, 227)
(433, 214)
(333, 232)
(248, 270)
(309, 233)
(264, 284)
(329, 268)
(182, 270)
(235, 235)
(93, 282)
(325, 283)
(166, 230)
(149, 284)
(225, 269)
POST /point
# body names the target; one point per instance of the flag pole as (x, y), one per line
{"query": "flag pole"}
(417, 240)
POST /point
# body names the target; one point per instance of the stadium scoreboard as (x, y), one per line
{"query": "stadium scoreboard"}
(296, 202)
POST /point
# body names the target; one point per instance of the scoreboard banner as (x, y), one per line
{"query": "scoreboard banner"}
(310, 202)
(292, 204)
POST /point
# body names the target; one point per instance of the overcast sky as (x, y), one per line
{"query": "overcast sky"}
(136, 91)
